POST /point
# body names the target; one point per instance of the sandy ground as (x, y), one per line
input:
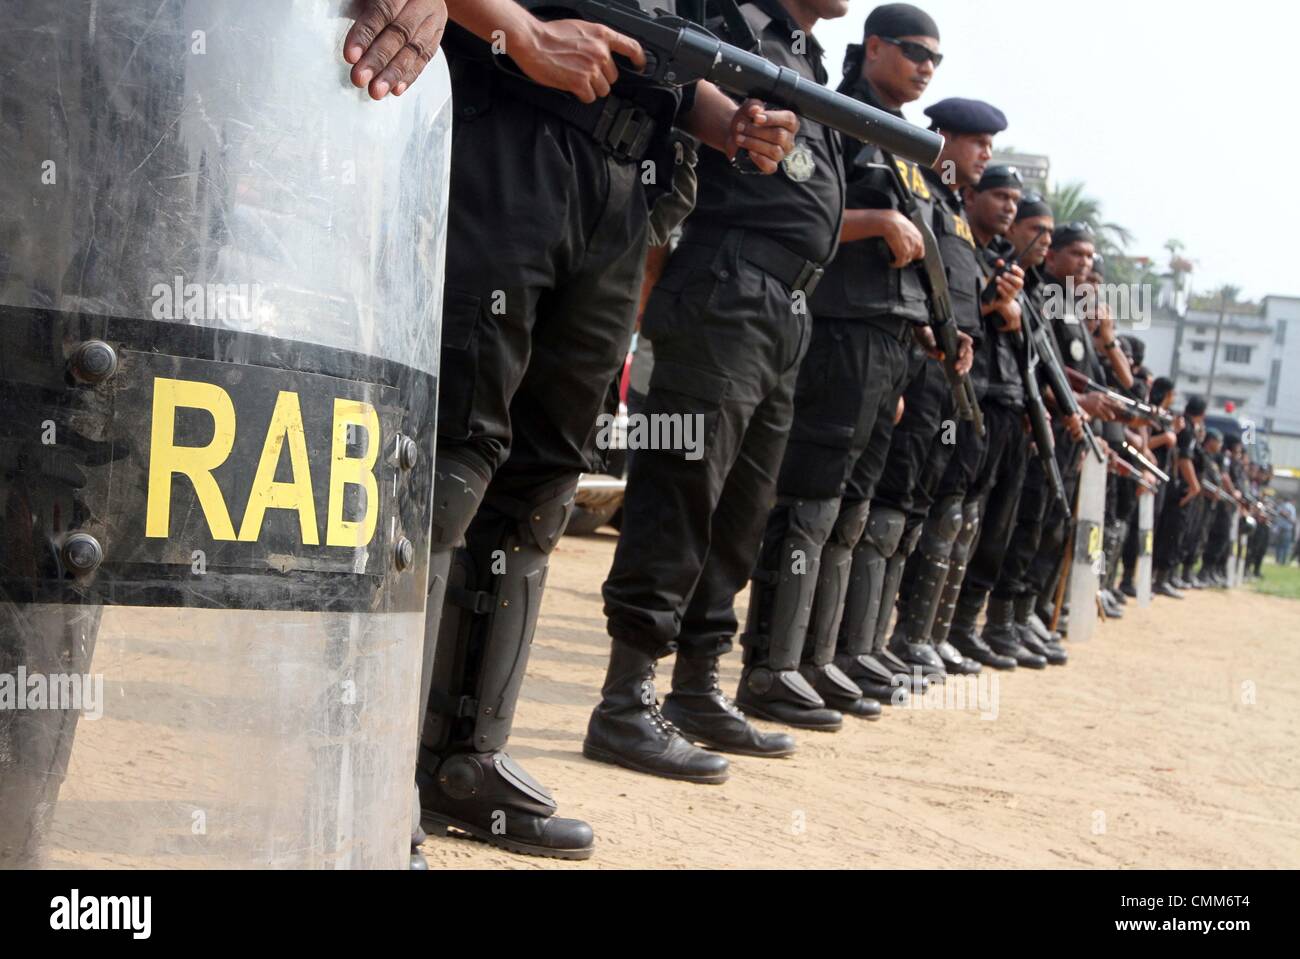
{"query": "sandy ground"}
(1172, 740)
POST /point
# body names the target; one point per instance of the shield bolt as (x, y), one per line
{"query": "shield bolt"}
(404, 554)
(82, 553)
(94, 361)
(408, 454)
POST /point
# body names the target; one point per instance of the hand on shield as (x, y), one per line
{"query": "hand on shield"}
(392, 41)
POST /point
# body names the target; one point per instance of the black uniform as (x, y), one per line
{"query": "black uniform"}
(730, 324)
(1177, 521)
(864, 311)
(548, 219)
(926, 442)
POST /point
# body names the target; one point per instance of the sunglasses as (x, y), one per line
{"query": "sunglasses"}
(1031, 197)
(916, 52)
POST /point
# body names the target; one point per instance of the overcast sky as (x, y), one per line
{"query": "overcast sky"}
(1180, 117)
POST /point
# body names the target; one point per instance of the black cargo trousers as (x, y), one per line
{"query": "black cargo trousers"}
(728, 343)
(1042, 527)
(847, 393)
(547, 237)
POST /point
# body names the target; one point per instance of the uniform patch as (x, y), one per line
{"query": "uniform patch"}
(800, 166)
(1077, 351)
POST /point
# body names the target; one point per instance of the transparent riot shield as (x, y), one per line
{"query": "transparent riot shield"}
(1233, 571)
(220, 289)
(1146, 547)
(1089, 557)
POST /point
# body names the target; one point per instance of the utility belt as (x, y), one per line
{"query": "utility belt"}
(1008, 395)
(621, 128)
(799, 274)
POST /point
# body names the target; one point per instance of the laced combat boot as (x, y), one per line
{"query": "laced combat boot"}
(703, 714)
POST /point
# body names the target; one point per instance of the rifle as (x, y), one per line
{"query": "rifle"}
(1027, 360)
(1054, 370)
(1215, 491)
(1124, 468)
(679, 52)
(1146, 464)
(942, 319)
(1137, 410)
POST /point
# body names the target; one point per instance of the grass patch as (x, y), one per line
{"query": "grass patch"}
(1279, 581)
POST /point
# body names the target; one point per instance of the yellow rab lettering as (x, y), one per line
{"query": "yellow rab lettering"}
(286, 423)
(345, 471)
(195, 462)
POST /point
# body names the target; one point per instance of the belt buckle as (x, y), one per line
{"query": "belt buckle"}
(624, 132)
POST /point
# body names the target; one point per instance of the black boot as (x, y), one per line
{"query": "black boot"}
(855, 655)
(1001, 635)
(1051, 650)
(1163, 586)
(627, 729)
(926, 575)
(466, 781)
(965, 638)
(780, 610)
(955, 662)
(703, 714)
(818, 667)
(491, 797)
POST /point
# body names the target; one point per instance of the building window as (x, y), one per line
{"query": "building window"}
(1198, 346)
(1281, 332)
(1193, 380)
(1274, 381)
(1236, 353)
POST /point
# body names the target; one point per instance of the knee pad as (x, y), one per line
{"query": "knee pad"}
(941, 530)
(457, 493)
(850, 524)
(810, 520)
(884, 532)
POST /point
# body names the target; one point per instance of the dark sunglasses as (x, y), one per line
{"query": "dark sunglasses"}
(916, 52)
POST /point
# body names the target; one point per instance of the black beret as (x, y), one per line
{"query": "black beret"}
(1000, 175)
(1070, 233)
(1213, 434)
(957, 115)
(900, 20)
(1031, 205)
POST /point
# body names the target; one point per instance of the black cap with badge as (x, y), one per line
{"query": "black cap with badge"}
(958, 115)
(1031, 205)
(1000, 176)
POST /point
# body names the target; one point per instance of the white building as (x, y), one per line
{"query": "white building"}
(1256, 366)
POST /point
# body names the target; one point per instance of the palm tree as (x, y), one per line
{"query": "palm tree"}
(1071, 204)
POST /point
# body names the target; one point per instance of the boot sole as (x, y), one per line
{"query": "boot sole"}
(601, 756)
(761, 714)
(444, 824)
(736, 751)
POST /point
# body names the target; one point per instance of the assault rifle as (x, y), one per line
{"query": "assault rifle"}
(1137, 410)
(934, 278)
(679, 51)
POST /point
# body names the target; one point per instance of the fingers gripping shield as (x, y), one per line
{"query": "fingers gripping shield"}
(220, 317)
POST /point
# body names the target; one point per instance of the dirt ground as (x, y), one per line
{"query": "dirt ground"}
(1172, 740)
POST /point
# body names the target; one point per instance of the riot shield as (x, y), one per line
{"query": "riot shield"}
(1146, 546)
(220, 298)
(1232, 570)
(1089, 557)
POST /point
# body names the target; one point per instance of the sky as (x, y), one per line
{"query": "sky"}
(1181, 118)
